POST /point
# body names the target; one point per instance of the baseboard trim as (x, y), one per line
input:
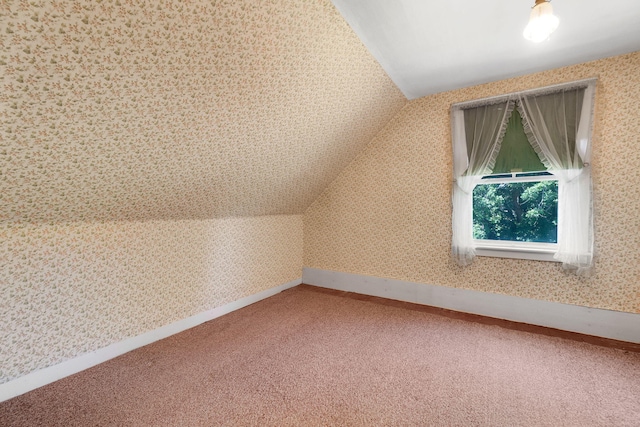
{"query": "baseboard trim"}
(50, 374)
(615, 325)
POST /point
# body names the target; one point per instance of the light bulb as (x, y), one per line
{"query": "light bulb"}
(542, 22)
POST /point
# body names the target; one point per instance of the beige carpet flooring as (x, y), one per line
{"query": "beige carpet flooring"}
(306, 357)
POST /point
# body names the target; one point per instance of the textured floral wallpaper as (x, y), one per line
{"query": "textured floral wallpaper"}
(128, 129)
(67, 289)
(168, 109)
(388, 214)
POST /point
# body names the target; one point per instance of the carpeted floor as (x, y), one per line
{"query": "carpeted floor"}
(310, 357)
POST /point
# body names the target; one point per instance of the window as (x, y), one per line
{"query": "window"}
(516, 214)
(515, 209)
(522, 179)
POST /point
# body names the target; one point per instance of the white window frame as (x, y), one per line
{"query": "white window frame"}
(515, 249)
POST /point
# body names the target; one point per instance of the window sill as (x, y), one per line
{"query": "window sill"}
(517, 250)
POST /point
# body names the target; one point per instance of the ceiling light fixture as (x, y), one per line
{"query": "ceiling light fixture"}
(542, 22)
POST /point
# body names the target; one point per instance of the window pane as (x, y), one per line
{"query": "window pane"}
(517, 211)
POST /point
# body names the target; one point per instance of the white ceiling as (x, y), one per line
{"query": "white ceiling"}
(434, 46)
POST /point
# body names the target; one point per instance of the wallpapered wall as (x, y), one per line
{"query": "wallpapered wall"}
(388, 214)
(119, 117)
(136, 110)
(67, 289)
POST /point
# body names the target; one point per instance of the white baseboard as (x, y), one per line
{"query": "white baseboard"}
(615, 325)
(48, 375)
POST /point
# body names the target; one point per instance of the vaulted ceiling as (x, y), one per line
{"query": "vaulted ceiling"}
(126, 110)
(123, 110)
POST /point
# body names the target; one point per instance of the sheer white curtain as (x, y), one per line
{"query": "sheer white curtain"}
(558, 126)
(477, 134)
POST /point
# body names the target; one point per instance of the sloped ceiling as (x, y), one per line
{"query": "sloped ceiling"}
(126, 110)
(435, 46)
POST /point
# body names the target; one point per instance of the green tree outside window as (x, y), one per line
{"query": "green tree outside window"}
(516, 211)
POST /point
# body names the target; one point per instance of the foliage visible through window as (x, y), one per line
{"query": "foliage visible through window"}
(516, 211)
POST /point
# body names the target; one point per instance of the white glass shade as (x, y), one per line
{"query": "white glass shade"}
(542, 23)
